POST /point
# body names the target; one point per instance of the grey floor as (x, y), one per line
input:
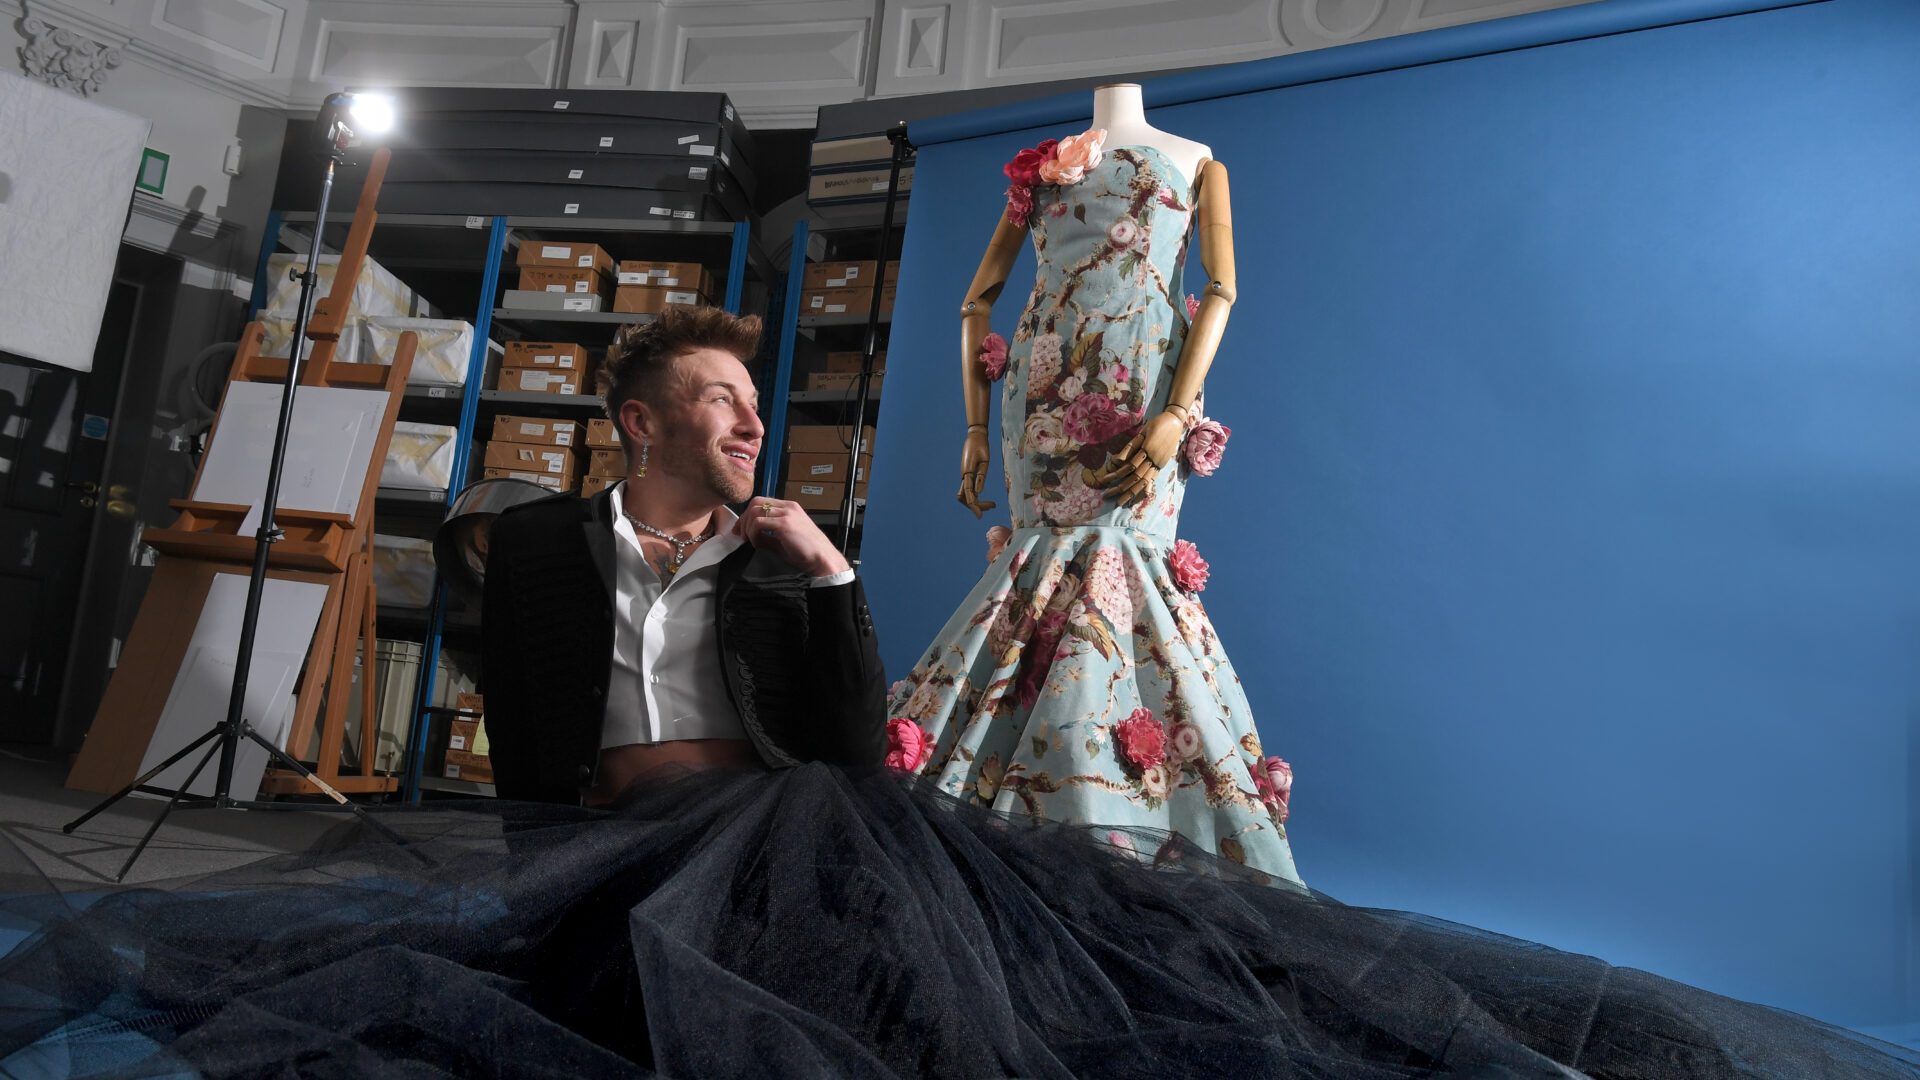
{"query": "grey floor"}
(35, 803)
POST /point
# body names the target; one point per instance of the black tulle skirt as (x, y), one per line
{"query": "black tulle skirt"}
(822, 923)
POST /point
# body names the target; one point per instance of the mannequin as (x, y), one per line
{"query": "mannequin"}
(1127, 476)
(1118, 109)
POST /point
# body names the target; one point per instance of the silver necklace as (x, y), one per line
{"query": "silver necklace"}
(679, 546)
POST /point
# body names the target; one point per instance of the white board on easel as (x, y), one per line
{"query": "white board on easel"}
(202, 688)
(329, 448)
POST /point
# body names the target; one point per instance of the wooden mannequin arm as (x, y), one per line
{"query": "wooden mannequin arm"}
(1215, 209)
(976, 320)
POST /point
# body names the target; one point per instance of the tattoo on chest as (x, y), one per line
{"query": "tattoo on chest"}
(662, 563)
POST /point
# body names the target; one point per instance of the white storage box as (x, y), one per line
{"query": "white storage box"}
(277, 333)
(440, 359)
(420, 456)
(377, 292)
(403, 571)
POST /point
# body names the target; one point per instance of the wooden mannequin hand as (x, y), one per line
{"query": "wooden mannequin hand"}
(973, 471)
(1129, 474)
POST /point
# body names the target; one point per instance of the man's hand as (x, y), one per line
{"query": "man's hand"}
(785, 529)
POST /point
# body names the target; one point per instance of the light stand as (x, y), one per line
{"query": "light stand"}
(338, 117)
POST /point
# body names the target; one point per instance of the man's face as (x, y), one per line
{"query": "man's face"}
(706, 429)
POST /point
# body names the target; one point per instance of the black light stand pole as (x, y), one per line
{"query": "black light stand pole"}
(901, 150)
(234, 727)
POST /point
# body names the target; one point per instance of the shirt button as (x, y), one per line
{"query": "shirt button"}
(653, 678)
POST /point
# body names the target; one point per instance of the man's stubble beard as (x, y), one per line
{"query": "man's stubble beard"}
(715, 470)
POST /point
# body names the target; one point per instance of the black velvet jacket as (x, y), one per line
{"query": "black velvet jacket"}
(802, 665)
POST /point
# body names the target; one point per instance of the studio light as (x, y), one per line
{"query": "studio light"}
(348, 116)
(374, 111)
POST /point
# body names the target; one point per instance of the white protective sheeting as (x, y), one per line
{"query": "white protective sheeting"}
(375, 290)
(420, 456)
(403, 574)
(276, 337)
(66, 174)
(441, 357)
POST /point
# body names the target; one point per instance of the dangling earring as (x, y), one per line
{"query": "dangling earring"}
(642, 470)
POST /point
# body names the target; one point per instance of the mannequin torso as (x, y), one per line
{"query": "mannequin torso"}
(1118, 109)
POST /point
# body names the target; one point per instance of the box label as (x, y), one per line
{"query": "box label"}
(606, 141)
(533, 429)
(457, 742)
(556, 288)
(696, 172)
(821, 470)
(683, 298)
(812, 489)
(586, 260)
(551, 251)
(563, 438)
(582, 303)
(700, 151)
(561, 104)
(571, 208)
(661, 211)
(689, 139)
(575, 174)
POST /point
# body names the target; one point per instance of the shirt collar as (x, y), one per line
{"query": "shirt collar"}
(724, 543)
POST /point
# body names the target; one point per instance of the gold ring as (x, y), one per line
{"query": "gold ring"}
(768, 506)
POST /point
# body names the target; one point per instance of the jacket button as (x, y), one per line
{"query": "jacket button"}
(586, 775)
(598, 692)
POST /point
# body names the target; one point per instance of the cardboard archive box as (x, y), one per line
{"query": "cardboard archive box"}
(601, 435)
(654, 299)
(825, 438)
(847, 301)
(848, 381)
(846, 275)
(529, 380)
(525, 457)
(670, 275)
(814, 496)
(545, 480)
(545, 354)
(607, 463)
(842, 362)
(572, 280)
(559, 253)
(535, 431)
(825, 468)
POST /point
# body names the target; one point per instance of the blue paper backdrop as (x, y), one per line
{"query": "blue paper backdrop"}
(1568, 541)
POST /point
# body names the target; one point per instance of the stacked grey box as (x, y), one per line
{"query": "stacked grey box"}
(565, 153)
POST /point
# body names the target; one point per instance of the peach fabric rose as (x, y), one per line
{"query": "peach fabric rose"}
(1142, 739)
(997, 538)
(908, 746)
(1274, 780)
(1204, 446)
(1189, 569)
(993, 356)
(1073, 157)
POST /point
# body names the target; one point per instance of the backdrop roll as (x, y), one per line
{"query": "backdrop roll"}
(1568, 541)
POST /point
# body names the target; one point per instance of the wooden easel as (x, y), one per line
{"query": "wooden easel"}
(323, 548)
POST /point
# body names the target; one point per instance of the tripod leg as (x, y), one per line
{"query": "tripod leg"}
(286, 759)
(168, 809)
(214, 733)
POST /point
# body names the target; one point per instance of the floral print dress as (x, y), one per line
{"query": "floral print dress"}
(1080, 681)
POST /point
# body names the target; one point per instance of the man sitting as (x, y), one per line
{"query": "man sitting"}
(650, 625)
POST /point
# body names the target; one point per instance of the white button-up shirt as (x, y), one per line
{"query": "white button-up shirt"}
(666, 681)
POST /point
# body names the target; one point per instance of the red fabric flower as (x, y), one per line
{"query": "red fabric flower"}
(1094, 418)
(1019, 204)
(1037, 660)
(1142, 739)
(908, 745)
(1204, 446)
(1024, 169)
(1189, 569)
(1193, 307)
(993, 356)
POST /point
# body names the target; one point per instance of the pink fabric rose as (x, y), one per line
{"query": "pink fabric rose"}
(908, 746)
(1073, 156)
(1204, 446)
(1142, 739)
(1057, 209)
(1274, 780)
(1024, 169)
(1094, 418)
(993, 356)
(997, 538)
(1019, 204)
(1185, 743)
(1189, 569)
(1193, 307)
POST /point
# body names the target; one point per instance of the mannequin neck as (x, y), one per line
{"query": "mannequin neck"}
(1118, 107)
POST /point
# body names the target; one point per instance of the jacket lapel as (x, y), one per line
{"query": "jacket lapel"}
(599, 528)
